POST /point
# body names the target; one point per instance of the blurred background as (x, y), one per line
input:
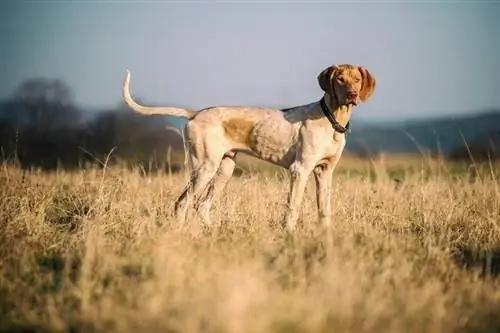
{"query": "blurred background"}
(63, 62)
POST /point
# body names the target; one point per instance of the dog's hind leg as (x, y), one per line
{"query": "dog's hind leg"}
(200, 178)
(204, 169)
(214, 188)
(182, 202)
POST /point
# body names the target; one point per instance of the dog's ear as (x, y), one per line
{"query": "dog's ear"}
(367, 84)
(325, 78)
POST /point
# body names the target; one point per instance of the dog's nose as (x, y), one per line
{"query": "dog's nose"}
(352, 95)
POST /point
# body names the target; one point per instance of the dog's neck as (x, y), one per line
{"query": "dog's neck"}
(341, 113)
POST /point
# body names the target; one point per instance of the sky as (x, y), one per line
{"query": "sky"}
(429, 58)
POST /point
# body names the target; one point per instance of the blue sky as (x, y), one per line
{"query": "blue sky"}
(429, 58)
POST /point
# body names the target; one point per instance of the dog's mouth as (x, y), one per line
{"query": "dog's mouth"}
(352, 102)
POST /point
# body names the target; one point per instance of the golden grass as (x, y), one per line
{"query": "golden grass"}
(97, 251)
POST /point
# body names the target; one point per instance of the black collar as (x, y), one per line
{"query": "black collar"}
(331, 118)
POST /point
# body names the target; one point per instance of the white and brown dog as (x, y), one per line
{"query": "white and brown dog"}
(303, 139)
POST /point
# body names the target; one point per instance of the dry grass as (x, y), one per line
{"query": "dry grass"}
(95, 251)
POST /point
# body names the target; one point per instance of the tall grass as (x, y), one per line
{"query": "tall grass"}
(98, 251)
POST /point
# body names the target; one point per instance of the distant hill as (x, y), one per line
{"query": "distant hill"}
(445, 135)
(483, 147)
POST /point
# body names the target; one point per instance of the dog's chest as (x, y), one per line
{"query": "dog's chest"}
(319, 137)
(336, 146)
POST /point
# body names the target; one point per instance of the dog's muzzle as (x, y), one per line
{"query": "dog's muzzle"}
(352, 98)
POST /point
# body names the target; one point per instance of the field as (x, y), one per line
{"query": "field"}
(416, 248)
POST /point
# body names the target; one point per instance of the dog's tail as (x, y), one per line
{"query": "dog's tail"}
(151, 110)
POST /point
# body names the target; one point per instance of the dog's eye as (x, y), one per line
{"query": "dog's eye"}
(358, 79)
(340, 79)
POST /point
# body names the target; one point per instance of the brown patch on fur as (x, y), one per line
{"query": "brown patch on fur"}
(368, 84)
(238, 130)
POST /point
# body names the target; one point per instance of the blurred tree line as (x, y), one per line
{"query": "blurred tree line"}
(41, 126)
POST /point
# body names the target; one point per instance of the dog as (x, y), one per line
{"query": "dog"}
(304, 139)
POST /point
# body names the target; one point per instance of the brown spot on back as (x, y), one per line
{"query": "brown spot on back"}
(238, 130)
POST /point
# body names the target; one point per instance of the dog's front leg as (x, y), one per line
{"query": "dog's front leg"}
(299, 173)
(323, 176)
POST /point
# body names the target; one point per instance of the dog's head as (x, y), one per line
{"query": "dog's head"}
(347, 84)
